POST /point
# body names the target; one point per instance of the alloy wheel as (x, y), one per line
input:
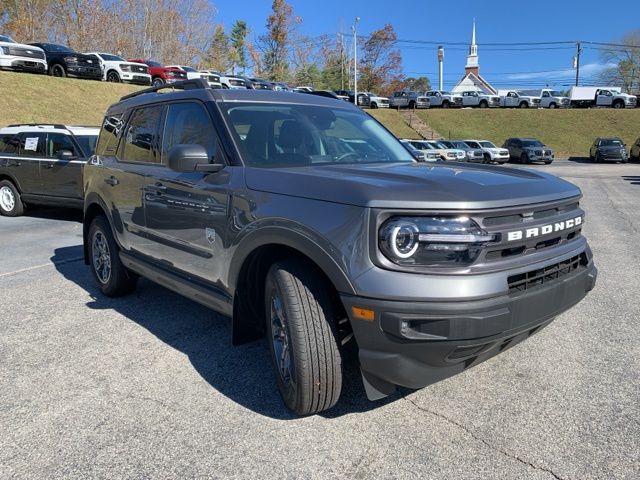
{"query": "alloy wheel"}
(280, 338)
(101, 257)
(7, 199)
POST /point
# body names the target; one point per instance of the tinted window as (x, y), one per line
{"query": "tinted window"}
(109, 134)
(32, 144)
(87, 143)
(188, 123)
(6, 39)
(9, 143)
(57, 142)
(531, 143)
(473, 144)
(141, 137)
(111, 58)
(611, 142)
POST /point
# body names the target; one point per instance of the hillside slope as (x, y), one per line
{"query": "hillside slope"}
(569, 132)
(30, 98)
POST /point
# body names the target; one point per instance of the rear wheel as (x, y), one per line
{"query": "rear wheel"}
(10, 203)
(301, 336)
(112, 277)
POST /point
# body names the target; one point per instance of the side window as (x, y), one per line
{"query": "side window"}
(109, 134)
(188, 123)
(32, 144)
(9, 143)
(57, 142)
(545, 94)
(141, 137)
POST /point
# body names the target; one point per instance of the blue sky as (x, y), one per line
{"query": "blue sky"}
(496, 22)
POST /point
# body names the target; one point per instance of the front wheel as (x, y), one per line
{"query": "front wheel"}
(618, 104)
(58, 70)
(301, 335)
(524, 105)
(484, 104)
(158, 82)
(552, 105)
(487, 158)
(524, 158)
(10, 203)
(112, 277)
(445, 104)
(113, 77)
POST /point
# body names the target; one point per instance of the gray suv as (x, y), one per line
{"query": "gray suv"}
(306, 222)
(528, 150)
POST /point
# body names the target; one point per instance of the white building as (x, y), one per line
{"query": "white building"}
(472, 79)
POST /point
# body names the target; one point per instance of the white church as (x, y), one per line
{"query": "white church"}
(472, 79)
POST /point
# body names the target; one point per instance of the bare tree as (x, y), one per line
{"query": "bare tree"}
(626, 72)
(381, 62)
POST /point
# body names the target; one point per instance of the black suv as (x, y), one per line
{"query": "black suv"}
(608, 149)
(65, 62)
(42, 165)
(305, 220)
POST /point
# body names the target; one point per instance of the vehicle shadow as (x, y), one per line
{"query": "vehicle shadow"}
(243, 373)
(632, 179)
(54, 213)
(579, 159)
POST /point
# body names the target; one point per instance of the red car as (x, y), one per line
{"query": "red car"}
(161, 74)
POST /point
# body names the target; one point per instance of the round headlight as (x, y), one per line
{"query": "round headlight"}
(404, 240)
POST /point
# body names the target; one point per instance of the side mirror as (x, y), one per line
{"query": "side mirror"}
(192, 158)
(65, 155)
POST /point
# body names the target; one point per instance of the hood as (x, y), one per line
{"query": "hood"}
(413, 185)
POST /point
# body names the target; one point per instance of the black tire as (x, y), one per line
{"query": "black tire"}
(57, 70)
(157, 82)
(299, 317)
(483, 104)
(548, 162)
(10, 202)
(618, 104)
(113, 77)
(552, 105)
(412, 104)
(487, 158)
(524, 158)
(112, 277)
(598, 158)
(445, 104)
(523, 105)
(373, 105)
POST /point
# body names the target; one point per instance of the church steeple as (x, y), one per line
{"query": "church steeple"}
(472, 65)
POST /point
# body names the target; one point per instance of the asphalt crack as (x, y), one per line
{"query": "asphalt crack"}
(493, 447)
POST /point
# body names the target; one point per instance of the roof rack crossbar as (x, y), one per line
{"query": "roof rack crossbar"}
(42, 124)
(193, 84)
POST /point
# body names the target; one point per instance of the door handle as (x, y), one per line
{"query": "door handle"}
(111, 181)
(49, 165)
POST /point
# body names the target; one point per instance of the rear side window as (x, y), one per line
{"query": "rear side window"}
(188, 123)
(32, 144)
(57, 142)
(9, 143)
(141, 137)
(109, 134)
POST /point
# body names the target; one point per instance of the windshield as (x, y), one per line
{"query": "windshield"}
(610, 142)
(487, 145)
(52, 47)
(460, 145)
(188, 69)
(439, 145)
(555, 93)
(6, 39)
(152, 63)
(87, 143)
(473, 144)
(532, 143)
(290, 135)
(111, 58)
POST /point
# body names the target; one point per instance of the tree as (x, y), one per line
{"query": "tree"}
(25, 20)
(420, 84)
(219, 56)
(626, 72)
(276, 43)
(381, 62)
(238, 36)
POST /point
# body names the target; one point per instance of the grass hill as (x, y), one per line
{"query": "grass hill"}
(569, 132)
(38, 98)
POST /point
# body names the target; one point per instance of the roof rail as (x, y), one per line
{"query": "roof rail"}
(42, 124)
(193, 84)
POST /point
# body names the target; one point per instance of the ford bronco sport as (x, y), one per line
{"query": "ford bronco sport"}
(306, 221)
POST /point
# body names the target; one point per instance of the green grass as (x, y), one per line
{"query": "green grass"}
(568, 132)
(393, 121)
(28, 98)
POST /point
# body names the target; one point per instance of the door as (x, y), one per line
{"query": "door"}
(137, 153)
(511, 100)
(23, 170)
(61, 177)
(186, 213)
(26, 164)
(604, 98)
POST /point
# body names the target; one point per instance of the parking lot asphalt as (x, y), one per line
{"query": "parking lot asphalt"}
(149, 386)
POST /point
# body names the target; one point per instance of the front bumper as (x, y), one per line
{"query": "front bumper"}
(136, 78)
(423, 104)
(414, 344)
(84, 72)
(20, 64)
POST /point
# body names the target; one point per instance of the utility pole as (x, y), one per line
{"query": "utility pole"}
(440, 67)
(355, 62)
(341, 61)
(577, 62)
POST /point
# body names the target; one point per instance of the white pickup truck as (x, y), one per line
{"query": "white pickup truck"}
(408, 99)
(517, 99)
(479, 99)
(439, 98)
(601, 97)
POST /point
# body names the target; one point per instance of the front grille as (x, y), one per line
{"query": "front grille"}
(457, 100)
(523, 282)
(213, 78)
(236, 83)
(26, 52)
(139, 69)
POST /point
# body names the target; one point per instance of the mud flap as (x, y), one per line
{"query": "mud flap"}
(375, 387)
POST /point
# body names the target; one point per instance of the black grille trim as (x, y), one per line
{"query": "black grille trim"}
(527, 281)
(24, 52)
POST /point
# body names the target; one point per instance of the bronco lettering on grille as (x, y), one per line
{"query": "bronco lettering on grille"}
(543, 230)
